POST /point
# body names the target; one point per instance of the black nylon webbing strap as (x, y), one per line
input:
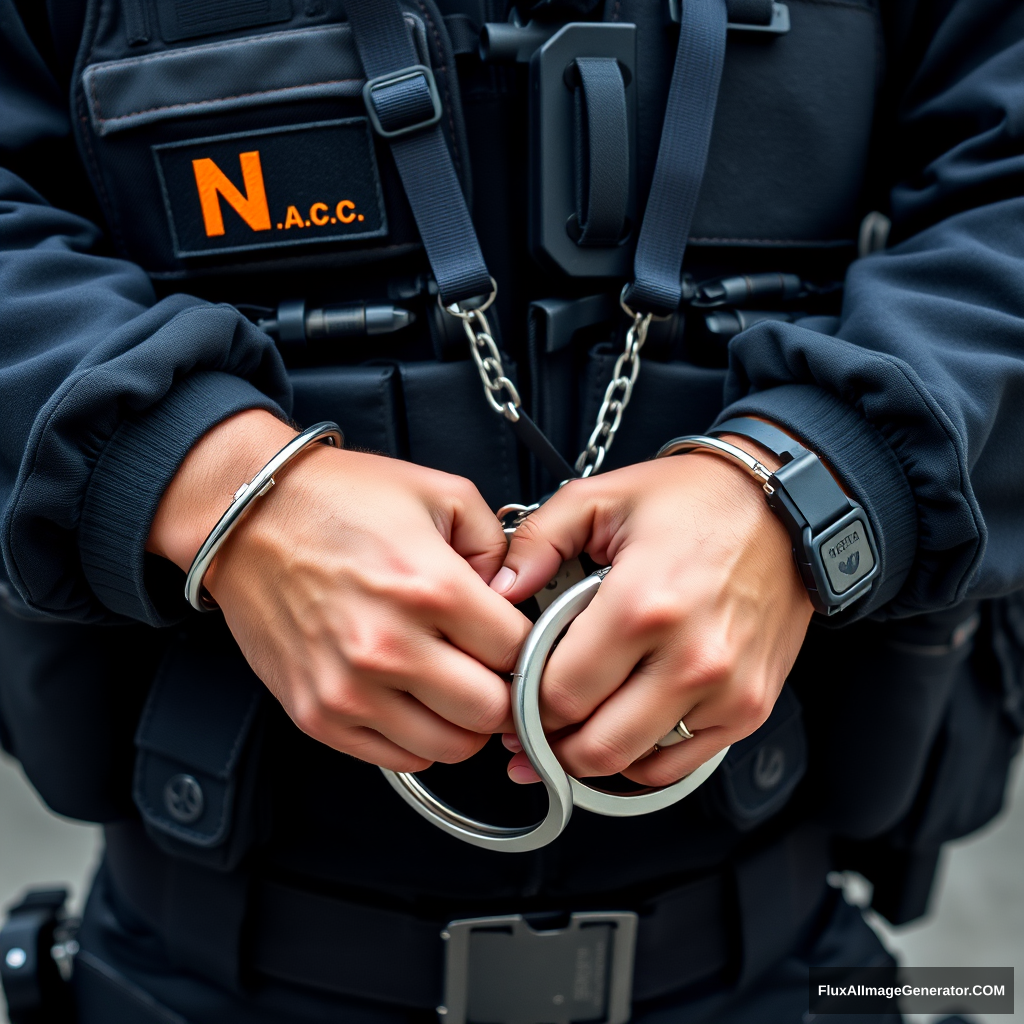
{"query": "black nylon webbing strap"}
(686, 935)
(685, 137)
(696, 932)
(602, 151)
(422, 157)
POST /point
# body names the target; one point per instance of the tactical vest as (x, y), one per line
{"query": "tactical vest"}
(233, 155)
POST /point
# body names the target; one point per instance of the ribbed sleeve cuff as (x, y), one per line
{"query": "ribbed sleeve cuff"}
(866, 465)
(126, 485)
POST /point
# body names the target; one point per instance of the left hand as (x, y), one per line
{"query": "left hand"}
(701, 617)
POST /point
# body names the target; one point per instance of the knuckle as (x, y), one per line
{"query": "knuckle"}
(458, 748)
(373, 650)
(750, 709)
(657, 612)
(427, 596)
(307, 718)
(713, 666)
(507, 648)
(602, 755)
(565, 705)
(339, 700)
(462, 489)
(488, 712)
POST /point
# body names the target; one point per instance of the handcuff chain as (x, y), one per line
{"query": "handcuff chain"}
(488, 364)
(503, 396)
(616, 397)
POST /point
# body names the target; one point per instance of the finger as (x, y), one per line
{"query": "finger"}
(369, 745)
(521, 772)
(476, 533)
(595, 657)
(625, 727)
(557, 531)
(417, 729)
(457, 687)
(670, 764)
(477, 620)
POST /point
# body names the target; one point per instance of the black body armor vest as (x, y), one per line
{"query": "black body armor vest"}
(230, 150)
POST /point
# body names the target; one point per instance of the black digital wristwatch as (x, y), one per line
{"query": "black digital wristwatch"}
(833, 544)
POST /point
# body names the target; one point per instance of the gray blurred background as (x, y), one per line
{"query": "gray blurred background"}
(977, 917)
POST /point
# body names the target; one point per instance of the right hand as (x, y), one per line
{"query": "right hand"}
(357, 589)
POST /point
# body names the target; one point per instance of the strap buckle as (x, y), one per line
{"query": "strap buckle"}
(402, 102)
(506, 971)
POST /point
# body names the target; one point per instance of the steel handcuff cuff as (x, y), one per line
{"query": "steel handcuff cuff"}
(564, 792)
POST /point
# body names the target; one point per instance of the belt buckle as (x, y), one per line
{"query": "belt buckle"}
(503, 970)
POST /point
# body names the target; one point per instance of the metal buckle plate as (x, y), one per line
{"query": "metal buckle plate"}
(382, 82)
(502, 970)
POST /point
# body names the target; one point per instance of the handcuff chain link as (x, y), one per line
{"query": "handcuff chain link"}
(496, 382)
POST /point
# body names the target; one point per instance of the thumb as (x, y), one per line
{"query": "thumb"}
(557, 531)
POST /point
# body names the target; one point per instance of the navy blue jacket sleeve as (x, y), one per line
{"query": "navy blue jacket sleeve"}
(104, 389)
(916, 393)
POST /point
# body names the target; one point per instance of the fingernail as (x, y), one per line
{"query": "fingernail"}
(510, 741)
(522, 774)
(503, 580)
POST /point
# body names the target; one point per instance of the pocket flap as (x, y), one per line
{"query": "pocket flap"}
(191, 737)
(297, 64)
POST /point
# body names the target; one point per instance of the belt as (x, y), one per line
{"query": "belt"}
(233, 929)
(682, 936)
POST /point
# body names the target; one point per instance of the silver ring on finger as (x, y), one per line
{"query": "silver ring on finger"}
(676, 734)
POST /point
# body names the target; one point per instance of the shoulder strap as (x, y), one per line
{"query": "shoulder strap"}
(685, 138)
(404, 107)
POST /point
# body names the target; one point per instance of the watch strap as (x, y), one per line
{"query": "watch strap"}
(775, 440)
(833, 544)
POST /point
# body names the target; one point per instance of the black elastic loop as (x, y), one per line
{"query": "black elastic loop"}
(422, 157)
(602, 151)
(685, 138)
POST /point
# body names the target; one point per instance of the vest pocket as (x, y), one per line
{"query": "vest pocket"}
(198, 743)
(362, 400)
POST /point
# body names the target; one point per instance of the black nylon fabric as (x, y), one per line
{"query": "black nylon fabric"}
(682, 153)
(602, 152)
(423, 160)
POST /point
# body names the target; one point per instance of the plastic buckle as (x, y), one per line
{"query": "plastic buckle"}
(506, 971)
(396, 78)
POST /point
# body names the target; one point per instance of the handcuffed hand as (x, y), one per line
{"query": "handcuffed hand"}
(357, 590)
(700, 618)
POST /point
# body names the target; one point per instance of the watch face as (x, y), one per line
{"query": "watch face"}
(846, 556)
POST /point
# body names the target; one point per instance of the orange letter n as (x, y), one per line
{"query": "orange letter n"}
(212, 182)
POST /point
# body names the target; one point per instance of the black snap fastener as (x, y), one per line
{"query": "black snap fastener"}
(183, 798)
(769, 767)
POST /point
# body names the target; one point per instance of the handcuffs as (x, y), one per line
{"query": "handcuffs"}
(564, 792)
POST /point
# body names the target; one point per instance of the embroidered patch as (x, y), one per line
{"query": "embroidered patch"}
(276, 187)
